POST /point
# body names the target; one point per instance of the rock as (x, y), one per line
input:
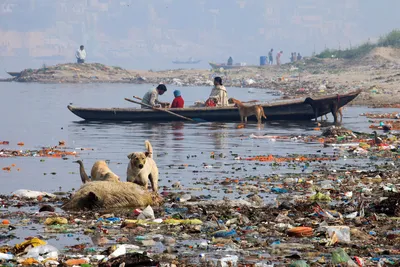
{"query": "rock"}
(46, 208)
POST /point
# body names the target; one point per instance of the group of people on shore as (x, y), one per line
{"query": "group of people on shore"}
(218, 97)
(293, 57)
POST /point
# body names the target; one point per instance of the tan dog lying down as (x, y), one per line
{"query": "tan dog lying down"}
(100, 172)
(246, 111)
(110, 195)
(142, 168)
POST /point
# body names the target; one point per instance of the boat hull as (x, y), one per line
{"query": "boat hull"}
(186, 62)
(14, 74)
(224, 66)
(293, 110)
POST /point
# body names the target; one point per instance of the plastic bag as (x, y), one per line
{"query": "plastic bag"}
(55, 220)
(147, 213)
(34, 242)
(340, 256)
(342, 232)
(43, 252)
(320, 197)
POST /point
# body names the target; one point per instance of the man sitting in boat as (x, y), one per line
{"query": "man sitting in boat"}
(178, 101)
(151, 97)
(218, 94)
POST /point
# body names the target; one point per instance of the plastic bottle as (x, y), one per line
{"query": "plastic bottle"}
(184, 198)
(121, 250)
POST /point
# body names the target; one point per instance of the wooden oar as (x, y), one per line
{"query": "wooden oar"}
(159, 109)
(195, 119)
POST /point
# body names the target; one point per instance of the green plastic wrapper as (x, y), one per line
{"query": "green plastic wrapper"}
(340, 256)
(299, 263)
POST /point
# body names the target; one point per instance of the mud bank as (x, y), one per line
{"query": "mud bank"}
(377, 74)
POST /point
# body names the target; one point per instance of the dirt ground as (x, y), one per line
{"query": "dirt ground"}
(377, 73)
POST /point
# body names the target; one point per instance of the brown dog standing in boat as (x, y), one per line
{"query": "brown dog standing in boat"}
(100, 172)
(142, 168)
(246, 111)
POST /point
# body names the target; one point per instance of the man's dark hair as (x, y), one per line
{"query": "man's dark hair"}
(81, 47)
(162, 87)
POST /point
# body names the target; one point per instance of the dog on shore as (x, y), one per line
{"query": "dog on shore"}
(100, 172)
(109, 196)
(246, 111)
(142, 168)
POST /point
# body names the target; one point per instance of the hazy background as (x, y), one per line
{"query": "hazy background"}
(149, 34)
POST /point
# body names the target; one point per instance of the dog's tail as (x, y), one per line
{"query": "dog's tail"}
(149, 149)
(262, 112)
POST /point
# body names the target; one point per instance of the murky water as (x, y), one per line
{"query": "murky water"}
(37, 115)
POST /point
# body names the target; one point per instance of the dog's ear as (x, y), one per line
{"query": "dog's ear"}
(147, 153)
(131, 155)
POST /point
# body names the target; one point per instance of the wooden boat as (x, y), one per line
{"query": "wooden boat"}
(186, 62)
(14, 74)
(225, 66)
(283, 110)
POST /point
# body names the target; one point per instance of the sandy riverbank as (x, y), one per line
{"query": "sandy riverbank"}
(377, 74)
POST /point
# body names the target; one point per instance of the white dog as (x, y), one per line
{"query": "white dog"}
(142, 168)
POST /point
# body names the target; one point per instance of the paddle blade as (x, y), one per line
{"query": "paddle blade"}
(198, 120)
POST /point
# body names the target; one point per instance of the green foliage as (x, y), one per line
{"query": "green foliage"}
(352, 53)
(391, 39)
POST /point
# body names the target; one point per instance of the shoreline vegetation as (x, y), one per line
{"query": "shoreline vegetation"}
(372, 67)
(392, 39)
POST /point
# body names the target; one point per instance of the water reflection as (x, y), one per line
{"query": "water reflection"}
(177, 130)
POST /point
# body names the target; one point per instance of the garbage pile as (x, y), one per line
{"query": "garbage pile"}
(338, 206)
(334, 131)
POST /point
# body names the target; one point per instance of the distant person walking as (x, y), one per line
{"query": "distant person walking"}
(278, 58)
(230, 61)
(80, 55)
(299, 57)
(270, 57)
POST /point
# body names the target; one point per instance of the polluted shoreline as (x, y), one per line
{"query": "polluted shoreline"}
(335, 205)
(376, 78)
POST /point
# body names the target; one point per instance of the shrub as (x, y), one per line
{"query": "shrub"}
(390, 39)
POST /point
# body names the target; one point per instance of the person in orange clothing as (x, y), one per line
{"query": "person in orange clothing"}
(178, 101)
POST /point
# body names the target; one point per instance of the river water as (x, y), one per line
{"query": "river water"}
(37, 115)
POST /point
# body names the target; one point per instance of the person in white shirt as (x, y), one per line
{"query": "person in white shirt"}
(81, 54)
